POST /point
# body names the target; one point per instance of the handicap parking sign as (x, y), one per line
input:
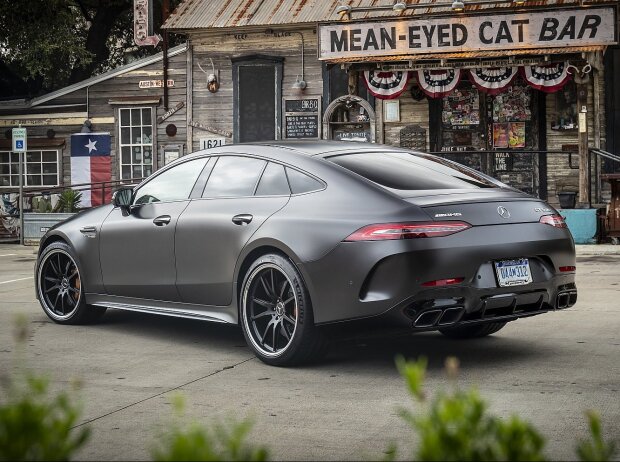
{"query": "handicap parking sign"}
(19, 139)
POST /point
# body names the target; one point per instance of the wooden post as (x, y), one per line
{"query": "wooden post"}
(352, 82)
(584, 170)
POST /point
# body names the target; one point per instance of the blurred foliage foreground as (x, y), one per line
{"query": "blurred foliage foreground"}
(452, 425)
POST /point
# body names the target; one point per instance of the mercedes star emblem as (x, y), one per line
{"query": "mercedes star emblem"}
(503, 212)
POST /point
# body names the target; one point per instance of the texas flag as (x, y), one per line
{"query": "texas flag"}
(91, 163)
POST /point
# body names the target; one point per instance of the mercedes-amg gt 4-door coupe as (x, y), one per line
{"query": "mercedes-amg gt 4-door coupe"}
(286, 238)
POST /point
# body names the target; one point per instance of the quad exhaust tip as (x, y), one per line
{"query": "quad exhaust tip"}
(566, 299)
(439, 317)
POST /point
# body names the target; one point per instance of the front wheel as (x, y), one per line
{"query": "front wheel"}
(59, 287)
(276, 314)
(476, 331)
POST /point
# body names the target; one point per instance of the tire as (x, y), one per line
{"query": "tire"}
(276, 314)
(59, 287)
(480, 330)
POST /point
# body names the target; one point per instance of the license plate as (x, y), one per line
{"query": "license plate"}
(513, 272)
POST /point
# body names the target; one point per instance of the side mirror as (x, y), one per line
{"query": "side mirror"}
(122, 197)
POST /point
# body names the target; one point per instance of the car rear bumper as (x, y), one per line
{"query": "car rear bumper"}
(385, 279)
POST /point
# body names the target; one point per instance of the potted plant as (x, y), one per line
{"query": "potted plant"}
(48, 211)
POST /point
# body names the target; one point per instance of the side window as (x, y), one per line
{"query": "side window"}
(302, 183)
(173, 184)
(273, 182)
(234, 176)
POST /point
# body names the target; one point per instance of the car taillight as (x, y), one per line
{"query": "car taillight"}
(553, 220)
(390, 231)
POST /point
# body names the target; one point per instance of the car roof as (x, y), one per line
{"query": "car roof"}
(323, 147)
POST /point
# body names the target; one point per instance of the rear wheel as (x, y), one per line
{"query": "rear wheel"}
(480, 330)
(60, 289)
(276, 314)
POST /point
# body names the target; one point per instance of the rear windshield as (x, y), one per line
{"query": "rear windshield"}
(401, 171)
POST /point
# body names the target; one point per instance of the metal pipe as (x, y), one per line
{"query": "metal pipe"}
(414, 6)
(302, 53)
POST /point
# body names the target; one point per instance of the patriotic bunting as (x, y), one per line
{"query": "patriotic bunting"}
(386, 85)
(438, 83)
(493, 80)
(548, 78)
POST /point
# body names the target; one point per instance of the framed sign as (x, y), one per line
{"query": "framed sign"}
(391, 110)
(171, 152)
(302, 118)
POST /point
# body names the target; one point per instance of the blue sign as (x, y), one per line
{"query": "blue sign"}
(19, 144)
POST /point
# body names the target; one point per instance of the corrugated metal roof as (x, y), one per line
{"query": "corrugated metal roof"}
(468, 55)
(137, 64)
(204, 14)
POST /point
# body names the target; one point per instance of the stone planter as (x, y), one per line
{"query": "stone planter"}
(37, 224)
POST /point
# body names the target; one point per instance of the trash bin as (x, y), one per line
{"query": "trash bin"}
(567, 200)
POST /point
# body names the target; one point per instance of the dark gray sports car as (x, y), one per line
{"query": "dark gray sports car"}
(286, 238)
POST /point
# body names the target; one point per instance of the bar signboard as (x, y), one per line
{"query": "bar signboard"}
(522, 30)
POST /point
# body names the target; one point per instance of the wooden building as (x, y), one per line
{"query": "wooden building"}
(127, 103)
(404, 74)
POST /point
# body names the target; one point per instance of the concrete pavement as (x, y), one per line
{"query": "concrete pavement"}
(548, 369)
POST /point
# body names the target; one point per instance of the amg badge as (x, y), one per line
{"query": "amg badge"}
(452, 214)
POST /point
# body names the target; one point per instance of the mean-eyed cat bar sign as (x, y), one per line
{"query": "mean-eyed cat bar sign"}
(539, 29)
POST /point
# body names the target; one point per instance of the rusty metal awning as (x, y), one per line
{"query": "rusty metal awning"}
(212, 14)
(467, 55)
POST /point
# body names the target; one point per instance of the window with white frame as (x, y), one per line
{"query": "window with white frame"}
(41, 168)
(136, 142)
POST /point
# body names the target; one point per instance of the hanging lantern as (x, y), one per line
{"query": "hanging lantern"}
(438, 83)
(548, 78)
(386, 85)
(493, 80)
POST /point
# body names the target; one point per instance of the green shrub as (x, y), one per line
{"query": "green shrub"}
(458, 426)
(35, 426)
(194, 442)
(68, 201)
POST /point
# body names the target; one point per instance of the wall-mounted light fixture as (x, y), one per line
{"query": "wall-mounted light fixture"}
(519, 2)
(457, 5)
(344, 11)
(299, 84)
(87, 126)
(399, 6)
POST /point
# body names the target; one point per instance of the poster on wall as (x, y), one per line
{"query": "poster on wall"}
(516, 135)
(509, 135)
(461, 109)
(513, 105)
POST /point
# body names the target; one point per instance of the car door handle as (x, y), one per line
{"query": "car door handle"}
(162, 220)
(242, 219)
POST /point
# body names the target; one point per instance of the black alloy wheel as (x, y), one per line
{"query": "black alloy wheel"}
(276, 315)
(59, 286)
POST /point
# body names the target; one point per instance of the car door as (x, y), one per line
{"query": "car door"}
(137, 247)
(241, 193)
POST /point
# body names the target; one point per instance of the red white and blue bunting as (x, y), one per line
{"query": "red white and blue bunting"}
(548, 78)
(438, 83)
(386, 85)
(493, 80)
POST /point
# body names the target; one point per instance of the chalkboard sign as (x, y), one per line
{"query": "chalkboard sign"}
(302, 105)
(301, 126)
(302, 118)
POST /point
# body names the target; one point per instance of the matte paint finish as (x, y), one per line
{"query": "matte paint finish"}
(204, 251)
(137, 257)
(208, 245)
